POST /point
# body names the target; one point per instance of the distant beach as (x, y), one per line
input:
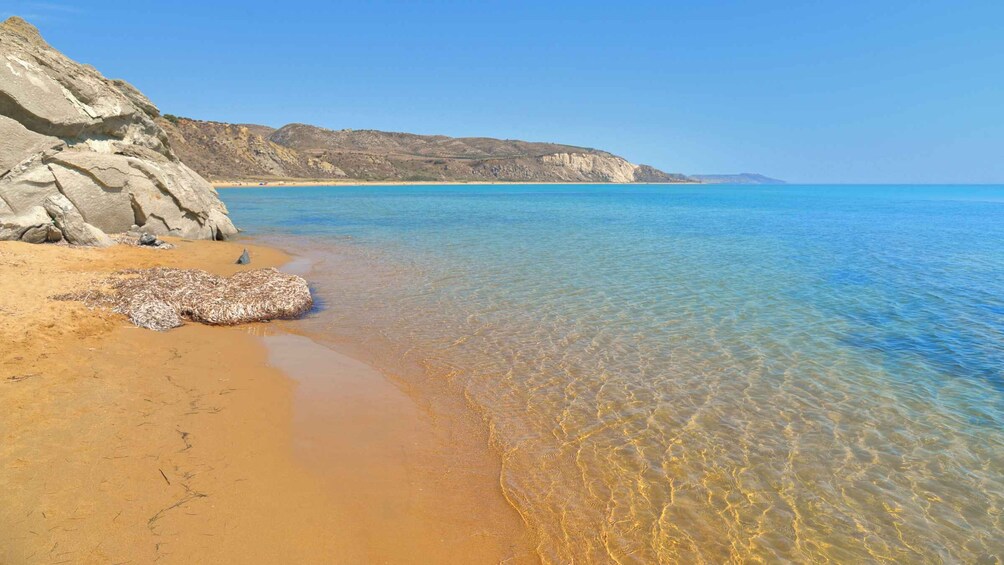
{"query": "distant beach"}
(303, 182)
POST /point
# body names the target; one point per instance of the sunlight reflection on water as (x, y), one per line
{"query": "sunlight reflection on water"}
(694, 373)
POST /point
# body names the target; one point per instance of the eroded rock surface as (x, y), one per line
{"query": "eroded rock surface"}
(67, 131)
(32, 226)
(72, 225)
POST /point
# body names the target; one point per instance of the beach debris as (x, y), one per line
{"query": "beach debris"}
(19, 378)
(140, 239)
(160, 298)
(244, 259)
(154, 315)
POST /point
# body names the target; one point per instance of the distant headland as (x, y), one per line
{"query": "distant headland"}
(741, 178)
(299, 152)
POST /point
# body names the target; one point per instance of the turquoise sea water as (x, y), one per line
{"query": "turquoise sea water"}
(694, 373)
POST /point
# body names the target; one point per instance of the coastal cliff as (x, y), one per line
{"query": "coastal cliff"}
(85, 151)
(228, 152)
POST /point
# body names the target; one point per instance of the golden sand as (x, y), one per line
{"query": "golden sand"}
(119, 444)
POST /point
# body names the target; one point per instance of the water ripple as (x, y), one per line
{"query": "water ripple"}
(696, 374)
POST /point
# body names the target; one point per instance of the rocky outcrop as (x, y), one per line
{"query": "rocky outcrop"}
(88, 149)
(591, 166)
(231, 152)
(647, 173)
(72, 225)
(31, 226)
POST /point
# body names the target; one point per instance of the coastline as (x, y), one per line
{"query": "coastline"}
(257, 183)
(214, 444)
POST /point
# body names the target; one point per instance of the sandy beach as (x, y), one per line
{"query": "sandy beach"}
(121, 444)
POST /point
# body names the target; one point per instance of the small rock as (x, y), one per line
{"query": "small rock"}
(35, 234)
(54, 234)
(149, 240)
(244, 259)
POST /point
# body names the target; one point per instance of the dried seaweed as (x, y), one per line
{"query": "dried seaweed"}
(160, 298)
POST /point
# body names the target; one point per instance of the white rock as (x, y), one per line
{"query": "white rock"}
(32, 226)
(67, 130)
(72, 225)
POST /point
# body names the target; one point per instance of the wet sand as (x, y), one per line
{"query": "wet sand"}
(419, 483)
(119, 444)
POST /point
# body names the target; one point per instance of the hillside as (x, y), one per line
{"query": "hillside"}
(231, 152)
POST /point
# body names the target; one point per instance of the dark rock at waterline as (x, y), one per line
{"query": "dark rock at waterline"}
(149, 240)
(244, 259)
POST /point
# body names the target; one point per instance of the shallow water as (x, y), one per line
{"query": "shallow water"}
(692, 373)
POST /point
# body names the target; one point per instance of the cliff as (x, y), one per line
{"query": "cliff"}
(85, 151)
(222, 151)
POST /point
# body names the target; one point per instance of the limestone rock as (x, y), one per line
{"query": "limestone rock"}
(72, 225)
(18, 143)
(591, 166)
(31, 226)
(38, 234)
(28, 184)
(67, 130)
(104, 205)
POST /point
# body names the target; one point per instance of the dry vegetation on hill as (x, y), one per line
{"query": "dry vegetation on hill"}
(222, 151)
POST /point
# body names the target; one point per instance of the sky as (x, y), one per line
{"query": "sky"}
(879, 91)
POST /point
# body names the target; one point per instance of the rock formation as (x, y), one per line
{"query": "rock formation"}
(31, 226)
(87, 150)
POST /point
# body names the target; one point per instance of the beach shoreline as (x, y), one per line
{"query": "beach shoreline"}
(226, 445)
(271, 183)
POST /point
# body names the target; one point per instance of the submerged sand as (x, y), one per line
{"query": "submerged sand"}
(119, 444)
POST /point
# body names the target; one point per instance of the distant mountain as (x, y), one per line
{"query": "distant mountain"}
(741, 178)
(236, 152)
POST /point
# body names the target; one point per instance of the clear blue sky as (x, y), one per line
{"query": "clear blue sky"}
(841, 91)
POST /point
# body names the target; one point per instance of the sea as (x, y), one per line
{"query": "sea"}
(690, 373)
